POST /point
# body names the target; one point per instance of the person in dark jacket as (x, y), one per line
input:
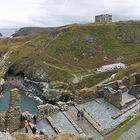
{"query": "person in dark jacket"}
(35, 119)
(78, 115)
(34, 130)
(21, 118)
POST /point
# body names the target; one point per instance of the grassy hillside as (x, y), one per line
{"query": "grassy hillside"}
(76, 50)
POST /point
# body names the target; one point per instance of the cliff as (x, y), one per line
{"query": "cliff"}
(28, 31)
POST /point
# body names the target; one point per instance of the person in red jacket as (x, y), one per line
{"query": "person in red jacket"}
(26, 125)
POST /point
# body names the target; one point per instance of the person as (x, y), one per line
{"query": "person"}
(35, 119)
(26, 125)
(34, 129)
(78, 115)
(30, 124)
(21, 118)
(82, 114)
(41, 132)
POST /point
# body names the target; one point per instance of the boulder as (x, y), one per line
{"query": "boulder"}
(62, 105)
(71, 103)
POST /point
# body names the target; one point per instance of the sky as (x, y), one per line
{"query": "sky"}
(50, 13)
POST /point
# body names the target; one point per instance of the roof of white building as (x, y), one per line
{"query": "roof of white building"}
(112, 65)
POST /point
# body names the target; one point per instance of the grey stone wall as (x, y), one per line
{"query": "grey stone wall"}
(2, 121)
(113, 97)
(103, 18)
(135, 90)
(12, 115)
(45, 110)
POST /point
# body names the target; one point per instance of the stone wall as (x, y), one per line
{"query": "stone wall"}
(112, 96)
(103, 18)
(2, 121)
(13, 112)
(114, 85)
(135, 91)
(45, 110)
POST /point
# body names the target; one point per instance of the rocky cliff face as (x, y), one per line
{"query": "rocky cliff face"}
(28, 30)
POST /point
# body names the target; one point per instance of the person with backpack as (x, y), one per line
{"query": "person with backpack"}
(78, 115)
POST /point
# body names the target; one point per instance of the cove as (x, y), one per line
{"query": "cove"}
(26, 103)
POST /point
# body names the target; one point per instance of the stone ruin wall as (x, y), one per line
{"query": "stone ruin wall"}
(103, 18)
(128, 83)
(10, 119)
(113, 97)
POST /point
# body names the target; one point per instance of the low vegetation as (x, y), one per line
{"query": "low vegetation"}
(70, 51)
(58, 137)
(122, 128)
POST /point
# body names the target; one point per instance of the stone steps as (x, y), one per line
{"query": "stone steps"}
(74, 124)
(84, 124)
(54, 125)
(90, 119)
(64, 123)
(46, 127)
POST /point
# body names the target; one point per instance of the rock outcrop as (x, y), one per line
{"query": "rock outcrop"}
(29, 30)
(45, 110)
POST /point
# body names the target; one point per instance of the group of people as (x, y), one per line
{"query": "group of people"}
(80, 115)
(27, 122)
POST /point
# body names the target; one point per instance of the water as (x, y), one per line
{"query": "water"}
(26, 104)
(8, 32)
(4, 102)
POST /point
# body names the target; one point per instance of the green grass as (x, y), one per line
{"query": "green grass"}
(126, 72)
(122, 128)
(138, 138)
(77, 49)
(93, 80)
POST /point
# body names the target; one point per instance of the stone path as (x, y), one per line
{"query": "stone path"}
(104, 112)
(43, 125)
(64, 123)
(132, 134)
(97, 121)
(87, 128)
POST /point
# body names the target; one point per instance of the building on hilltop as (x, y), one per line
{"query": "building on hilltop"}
(111, 67)
(103, 18)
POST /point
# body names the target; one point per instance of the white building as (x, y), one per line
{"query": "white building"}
(111, 67)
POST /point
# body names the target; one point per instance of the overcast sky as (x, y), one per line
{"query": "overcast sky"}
(19, 13)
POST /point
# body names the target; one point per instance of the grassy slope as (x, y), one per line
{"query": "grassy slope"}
(114, 135)
(77, 49)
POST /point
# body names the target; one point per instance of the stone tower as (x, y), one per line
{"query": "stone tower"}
(103, 18)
